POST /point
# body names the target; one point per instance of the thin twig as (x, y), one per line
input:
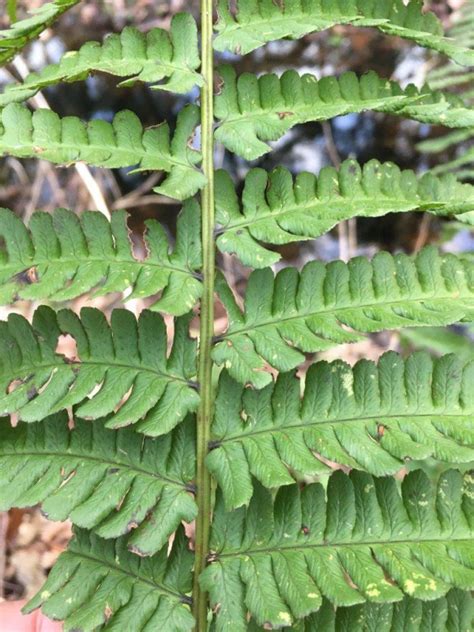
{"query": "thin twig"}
(131, 198)
(347, 230)
(423, 233)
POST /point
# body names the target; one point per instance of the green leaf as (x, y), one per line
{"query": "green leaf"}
(313, 310)
(441, 143)
(441, 340)
(97, 584)
(254, 110)
(277, 208)
(111, 482)
(122, 143)
(370, 417)
(121, 368)
(466, 160)
(20, 33)
(61, 256)
(258, 22)
(453, 613)
(156, 56)
(367, 541)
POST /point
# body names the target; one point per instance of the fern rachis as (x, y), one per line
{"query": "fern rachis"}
(326, 513)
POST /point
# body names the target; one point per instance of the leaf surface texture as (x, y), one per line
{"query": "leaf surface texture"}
(368, 541)
(252, 111)
(61, 256)
(98, 585)
(122, 143)
(157, 56)
(278, 209)
(257, 22)
(330, 304)
(122, 368)
(114, 483)
(370, 417)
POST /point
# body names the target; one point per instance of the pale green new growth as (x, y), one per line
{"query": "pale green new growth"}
(20, 33)
(112, 482)
(122, 143)
(278, 209)
(260, 21)
(253, 110)
(360, 540)
(98, 582)
(152, 58)
(62, 256)
(331, 304)
(121, 368)
(372, 417)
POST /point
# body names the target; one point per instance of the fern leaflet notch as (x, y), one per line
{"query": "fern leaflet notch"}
(154, 57)
(121, 368)
(255, 110)
(311, 311)
(98, 582)
(278, 209)
(62, 256)
(452, 613)
(257, 22)
(113, 483)
(372, 417)
(365, 542)
(122, 143)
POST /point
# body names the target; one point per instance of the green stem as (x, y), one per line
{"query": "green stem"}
(204, 416)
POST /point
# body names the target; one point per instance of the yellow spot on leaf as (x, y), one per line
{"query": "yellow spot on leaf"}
(285, 617)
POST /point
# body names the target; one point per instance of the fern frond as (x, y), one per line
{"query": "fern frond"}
(452, 613)
(435, 145)
(111, 482)
(20, 33)
(122, 143)
(277, 208)
(372, 417)
(441, 340)
(463, 166)
(97, 584)
(312, 310)
(367, 542)
(158, 55)
(121, 368)
(451, 75)
(252, 110)
(258, 22)
(62, 256)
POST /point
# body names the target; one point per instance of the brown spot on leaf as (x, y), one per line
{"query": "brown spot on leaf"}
(108, 612)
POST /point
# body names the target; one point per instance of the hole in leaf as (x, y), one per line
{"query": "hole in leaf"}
(67, 347)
